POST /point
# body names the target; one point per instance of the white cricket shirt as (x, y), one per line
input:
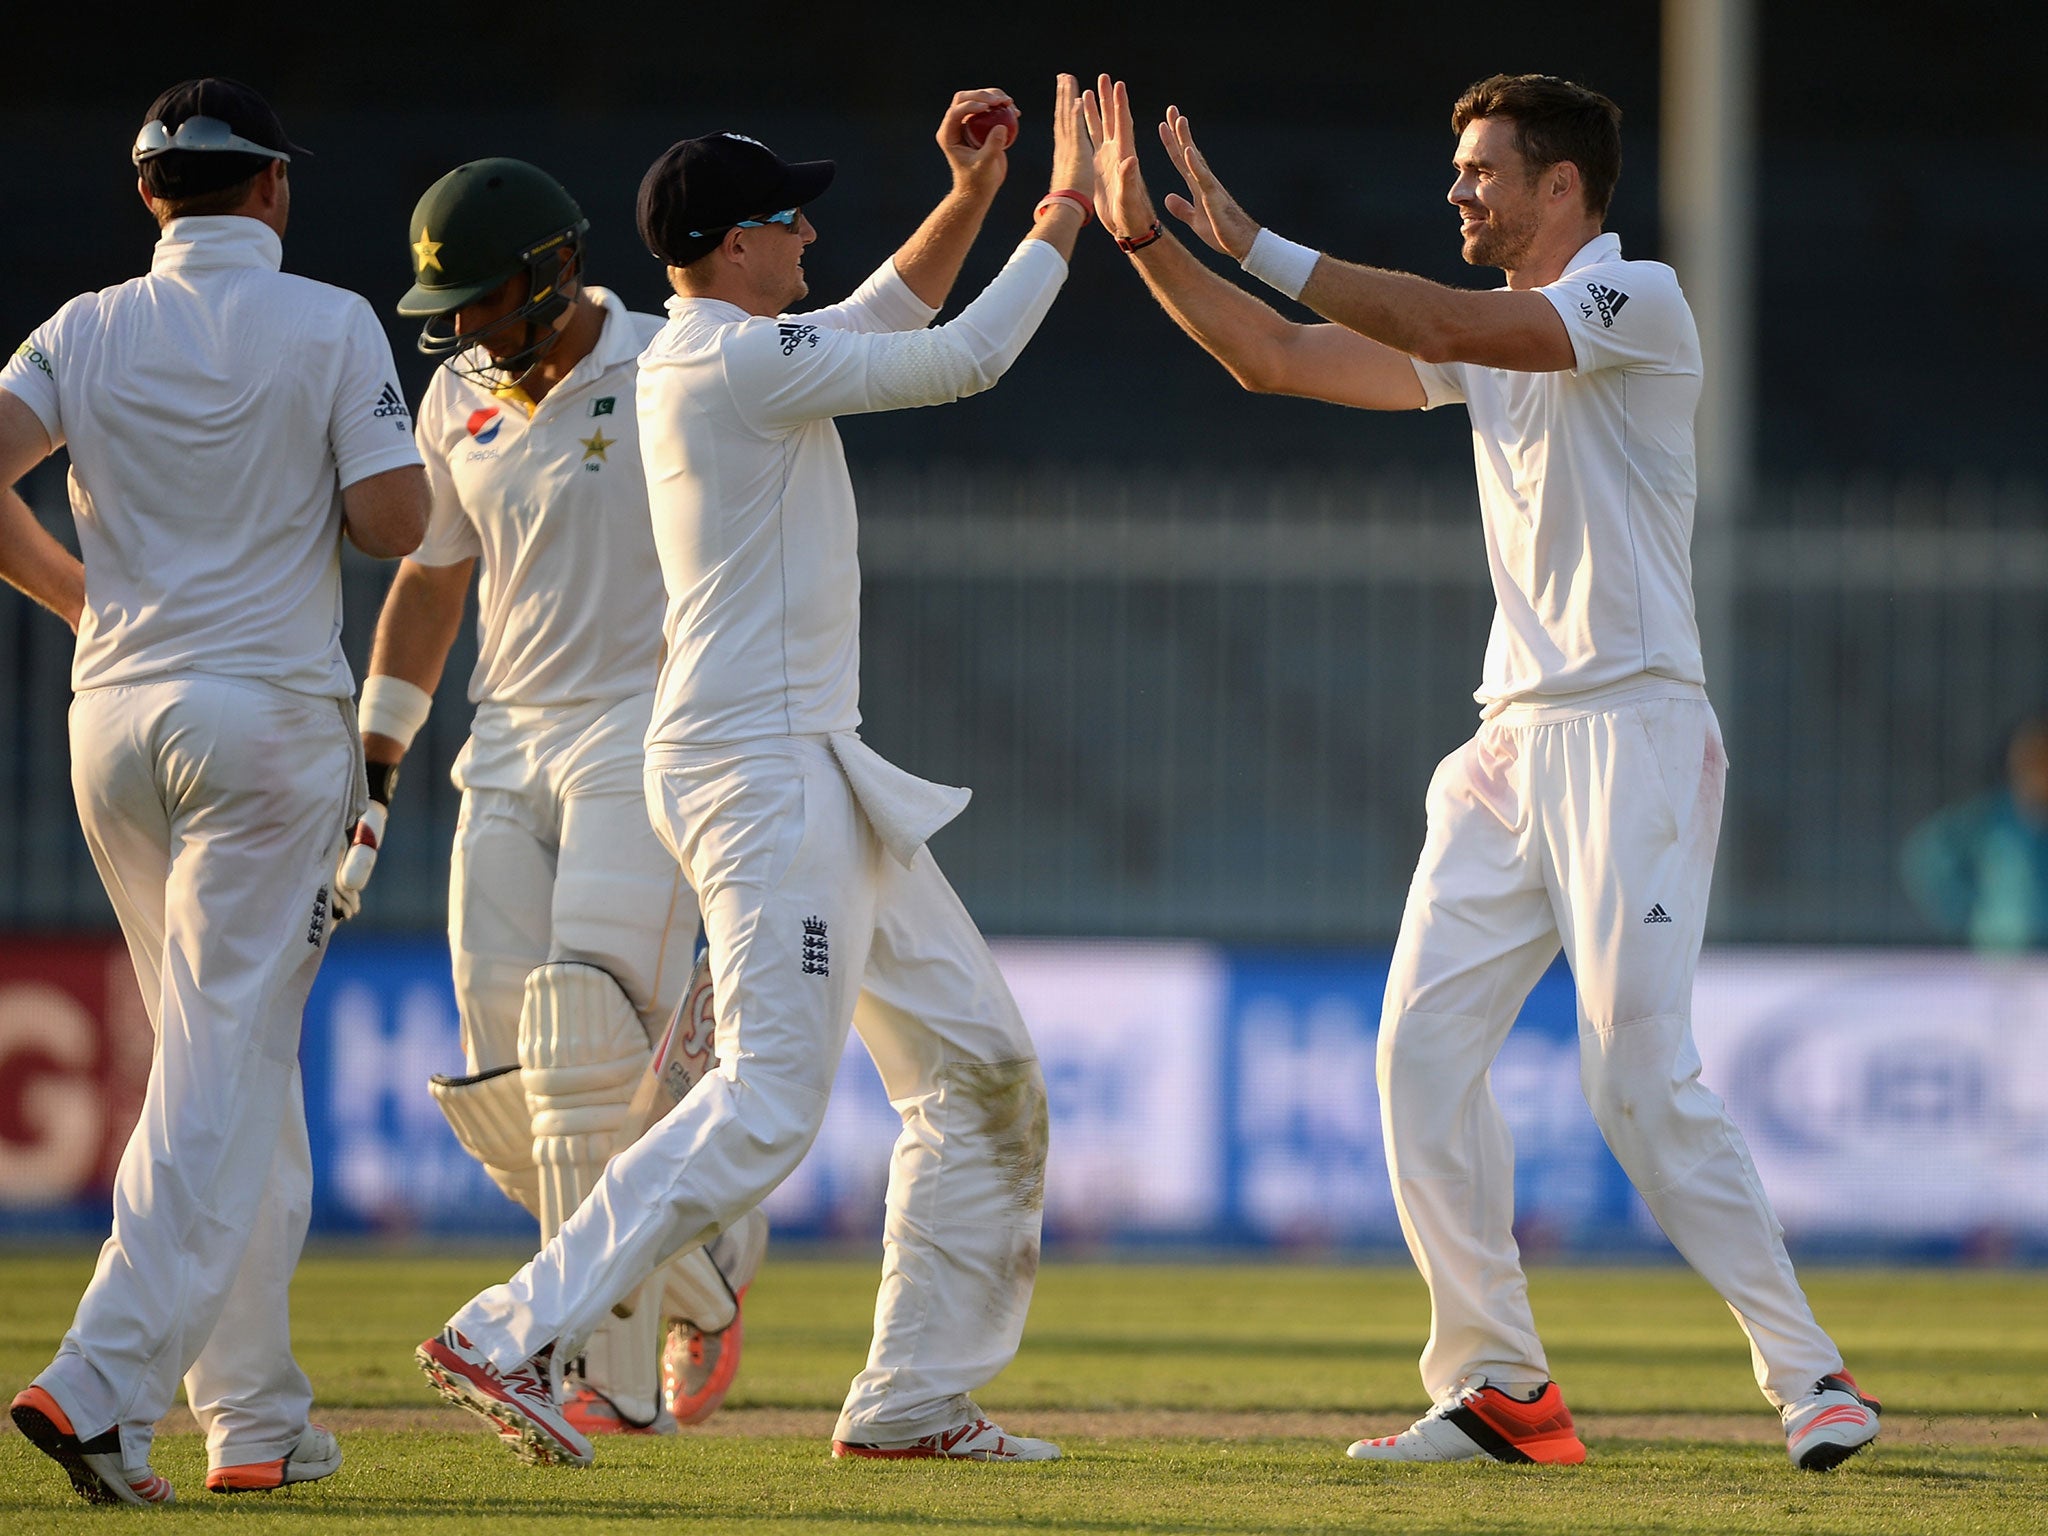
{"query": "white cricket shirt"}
(569, 605)
(753, 508)
(1586, 488)
(214, 410)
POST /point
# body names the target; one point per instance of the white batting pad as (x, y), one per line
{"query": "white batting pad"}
(582, 1050)
(489, 1116)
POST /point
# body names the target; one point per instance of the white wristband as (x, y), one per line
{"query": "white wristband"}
(390, 706)
(1280, 263)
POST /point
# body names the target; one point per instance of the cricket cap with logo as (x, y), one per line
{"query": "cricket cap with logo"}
(205, 135)
(702, 187)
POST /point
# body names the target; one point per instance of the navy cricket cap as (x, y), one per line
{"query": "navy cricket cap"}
(700, 188)
(202, 135)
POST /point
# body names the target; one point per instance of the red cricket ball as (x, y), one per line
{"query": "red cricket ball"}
(978, 127)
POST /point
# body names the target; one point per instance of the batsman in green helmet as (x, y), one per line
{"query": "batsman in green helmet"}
(497, 254)
(570, 928)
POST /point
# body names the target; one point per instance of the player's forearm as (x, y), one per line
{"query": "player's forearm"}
(929, 261)
(1397, 309)
(36, 564)
(1242, 333)
(416, 630)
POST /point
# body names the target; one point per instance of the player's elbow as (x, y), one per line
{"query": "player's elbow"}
(1259, 370)
(386, 515)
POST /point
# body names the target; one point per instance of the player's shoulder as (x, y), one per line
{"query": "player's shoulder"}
(451, 396)
(81, 312)
(1602, 266)
(698, 329)
(310, 295)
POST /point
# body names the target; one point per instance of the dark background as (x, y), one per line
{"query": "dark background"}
(1901, 165)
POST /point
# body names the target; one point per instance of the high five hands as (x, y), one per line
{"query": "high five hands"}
(1123, 202)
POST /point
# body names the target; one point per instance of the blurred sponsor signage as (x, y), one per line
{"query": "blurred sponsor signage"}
(1892, 1101)
(74, 1060)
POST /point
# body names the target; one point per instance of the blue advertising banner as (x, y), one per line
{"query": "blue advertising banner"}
(1306, 1165)
(1894, 1103)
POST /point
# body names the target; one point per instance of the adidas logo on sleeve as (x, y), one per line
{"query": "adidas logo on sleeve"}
(1606, 301)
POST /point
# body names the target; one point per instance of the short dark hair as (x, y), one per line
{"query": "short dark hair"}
(226, 199)
(1555, 120)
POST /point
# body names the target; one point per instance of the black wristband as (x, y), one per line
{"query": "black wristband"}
(383, 779)
(1141, 241)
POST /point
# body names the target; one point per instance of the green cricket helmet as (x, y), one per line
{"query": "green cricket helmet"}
(475, 229)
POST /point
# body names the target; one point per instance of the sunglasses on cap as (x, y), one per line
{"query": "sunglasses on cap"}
(788, 217)
(198, 133)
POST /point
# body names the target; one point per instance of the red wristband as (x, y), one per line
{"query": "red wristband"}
(1141, 241)
(1079, 200)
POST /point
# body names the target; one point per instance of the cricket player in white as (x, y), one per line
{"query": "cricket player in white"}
(570, 926)
(805, 847)
(1586, 810)
(226, 422)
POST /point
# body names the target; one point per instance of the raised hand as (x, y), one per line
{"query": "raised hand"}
(1073, 155)
(1214, 214)
(1122, 201)
(980, 168)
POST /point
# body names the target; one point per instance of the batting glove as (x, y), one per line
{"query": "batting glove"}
(359, 858)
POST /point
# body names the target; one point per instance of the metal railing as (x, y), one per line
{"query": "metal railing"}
(1194, 705)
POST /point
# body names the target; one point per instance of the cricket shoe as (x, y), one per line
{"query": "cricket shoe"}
(519, 1404)
(1830, 1424)
(592, 1413)
(316, 1455)
(698, 1368)
(1478, 1420)
(977, 1440)
(94, 1466)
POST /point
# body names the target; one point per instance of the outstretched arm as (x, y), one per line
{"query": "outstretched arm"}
(1263, 350)
(1411, 315)
(795, 372)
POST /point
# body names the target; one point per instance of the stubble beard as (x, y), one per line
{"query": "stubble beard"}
(1496, 244)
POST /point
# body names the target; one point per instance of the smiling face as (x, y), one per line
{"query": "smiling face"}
(779, 250)
(1497, 194)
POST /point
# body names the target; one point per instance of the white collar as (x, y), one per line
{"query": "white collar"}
(681, 304)
(1605, 246)
(217, 240)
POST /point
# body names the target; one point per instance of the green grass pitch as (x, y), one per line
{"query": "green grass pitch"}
(1196, 1398)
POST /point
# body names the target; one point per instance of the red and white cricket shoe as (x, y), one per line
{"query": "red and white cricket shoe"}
(94, 1466)
(519, 1404)
(698, 1368)
(978, 1440)
(594, 1414)
(1830, 1424)
(1479, 1420)
(317, 1454)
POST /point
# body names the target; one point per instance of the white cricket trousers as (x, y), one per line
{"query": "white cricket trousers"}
(554, 860)
(806, 913)
(215, 811)
(1593, 827)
